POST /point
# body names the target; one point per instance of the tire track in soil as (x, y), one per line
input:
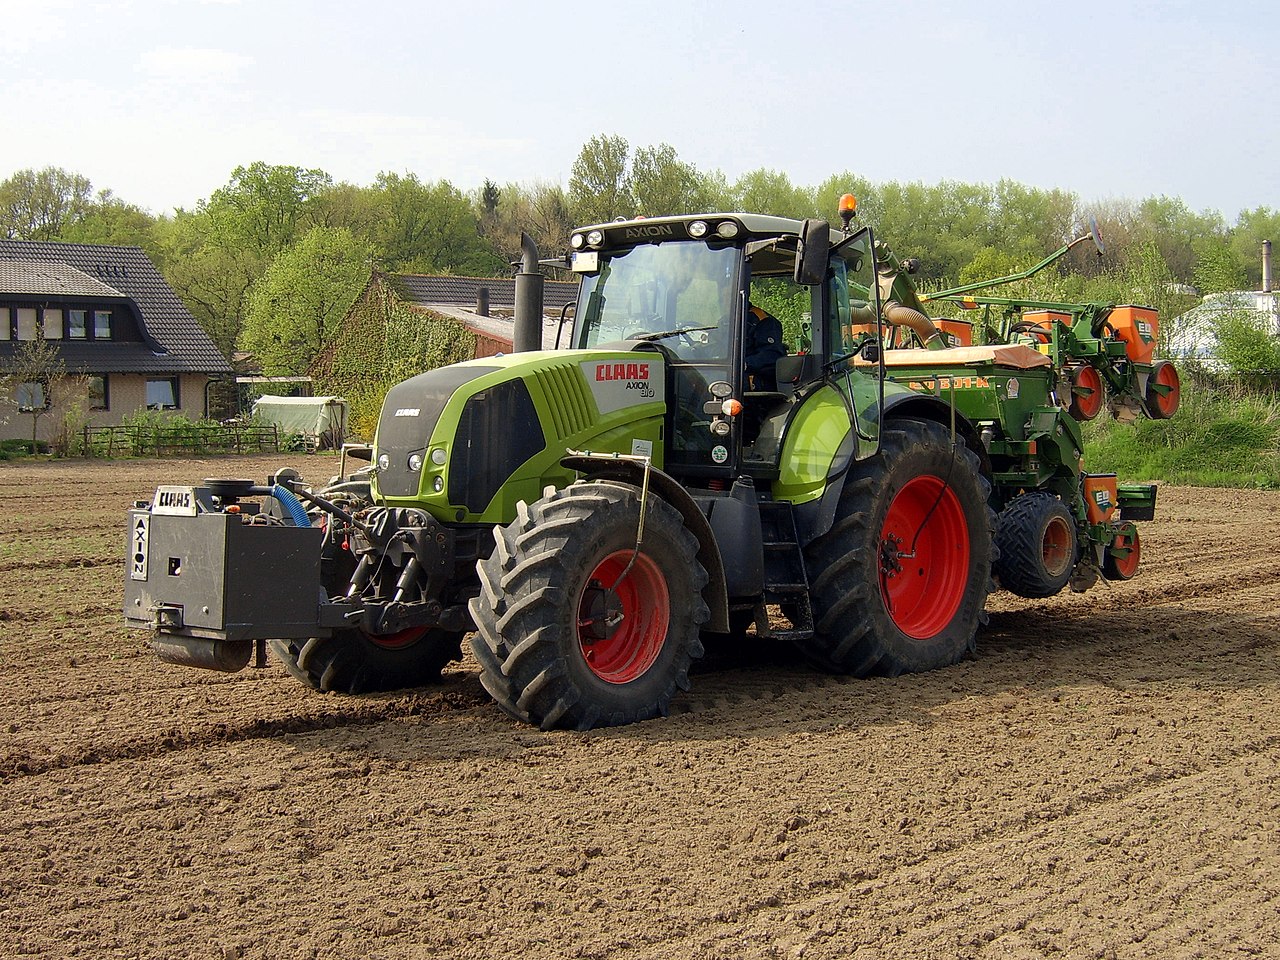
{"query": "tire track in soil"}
(23, 764)
(60, 563)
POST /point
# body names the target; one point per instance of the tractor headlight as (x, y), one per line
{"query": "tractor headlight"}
(595, 238)
(384, 462)
(698, 229)
(577, 240)
(437, 483)
(439, 457)
(415, 462)
(728, 230)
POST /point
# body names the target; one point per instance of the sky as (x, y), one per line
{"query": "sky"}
(160, 100)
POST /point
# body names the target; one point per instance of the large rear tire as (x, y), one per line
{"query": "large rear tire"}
(1036, 537)
(877, 609)
(575, 629)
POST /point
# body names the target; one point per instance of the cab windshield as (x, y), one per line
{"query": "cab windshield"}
(680, 295)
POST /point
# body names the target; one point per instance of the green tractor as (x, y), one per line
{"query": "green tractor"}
(589, 514)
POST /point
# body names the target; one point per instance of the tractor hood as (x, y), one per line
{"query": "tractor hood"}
(468, 441)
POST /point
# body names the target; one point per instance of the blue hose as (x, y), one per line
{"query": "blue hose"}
(291, 504)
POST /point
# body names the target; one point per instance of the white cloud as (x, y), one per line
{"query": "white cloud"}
(193, 64)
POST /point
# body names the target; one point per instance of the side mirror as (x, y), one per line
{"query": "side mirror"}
(811, 257)
(795, 369)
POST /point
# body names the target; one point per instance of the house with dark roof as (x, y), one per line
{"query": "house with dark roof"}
(483, 305)
(114, 320)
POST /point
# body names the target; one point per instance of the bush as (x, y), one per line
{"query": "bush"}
(1222, 435)
(13, 449)
(1248, 346)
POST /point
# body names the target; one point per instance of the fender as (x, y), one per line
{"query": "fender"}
(606, 467)
(815, 518)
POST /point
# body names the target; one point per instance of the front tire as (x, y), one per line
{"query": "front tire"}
(900, 580)
(571, 632)
(352, 661)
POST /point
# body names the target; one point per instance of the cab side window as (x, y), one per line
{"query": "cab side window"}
(791, 303)
(852, 308)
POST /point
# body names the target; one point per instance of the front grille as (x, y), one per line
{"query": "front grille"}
(568, 402)
(497, 432)
(409, 415)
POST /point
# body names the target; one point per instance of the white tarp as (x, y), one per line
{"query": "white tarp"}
(323, 419)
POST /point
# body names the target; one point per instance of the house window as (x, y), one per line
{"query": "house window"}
(77, 324)
(27, 328)
(102, 324)
(32, 396)
(6, 332)
(162, 393)
(52, 324)
(99, 395)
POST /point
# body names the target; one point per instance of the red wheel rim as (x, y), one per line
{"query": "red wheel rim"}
(1055, 548)
(1127, 565)
(1166, 375)
(1086, 406)
(922, 593)
(398, 640)
(622, 630)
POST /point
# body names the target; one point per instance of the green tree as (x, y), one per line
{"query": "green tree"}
(539, 209)
(302, 297)
(265, 207)
(600, 181)
(1219, 269)
(1178, 232)
(661, 183)
(1248, 346)
(40, 204)
(772, 192)
(213, 255)
(211, 273)
(1252, 227)
(33, 377)
(489, 197)
(429, 228)
(108, 220)
(358, 209)
(990, 263)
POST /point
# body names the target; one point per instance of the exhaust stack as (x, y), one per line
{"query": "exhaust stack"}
(1266, 266)
(527, 332)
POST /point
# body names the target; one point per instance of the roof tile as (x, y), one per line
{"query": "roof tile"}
(125, 271)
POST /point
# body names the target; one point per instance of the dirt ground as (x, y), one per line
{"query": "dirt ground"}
(1100, 782)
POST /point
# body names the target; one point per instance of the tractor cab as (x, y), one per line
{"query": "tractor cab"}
(682, 288)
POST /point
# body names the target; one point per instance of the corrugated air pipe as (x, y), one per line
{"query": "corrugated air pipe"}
(900, 316)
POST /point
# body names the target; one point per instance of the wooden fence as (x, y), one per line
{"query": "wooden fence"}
(143, 441)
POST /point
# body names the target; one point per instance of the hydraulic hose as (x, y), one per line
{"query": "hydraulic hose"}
(292, 505)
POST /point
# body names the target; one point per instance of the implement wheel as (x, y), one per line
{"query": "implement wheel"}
(1123, 555)
(1086, 392)
(900, 579)
(1164, 390)
(574, 627)
(1036, 537)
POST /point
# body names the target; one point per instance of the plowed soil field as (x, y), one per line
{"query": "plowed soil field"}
(1100, 781)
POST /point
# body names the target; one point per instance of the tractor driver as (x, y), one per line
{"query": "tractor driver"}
(762, 348)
